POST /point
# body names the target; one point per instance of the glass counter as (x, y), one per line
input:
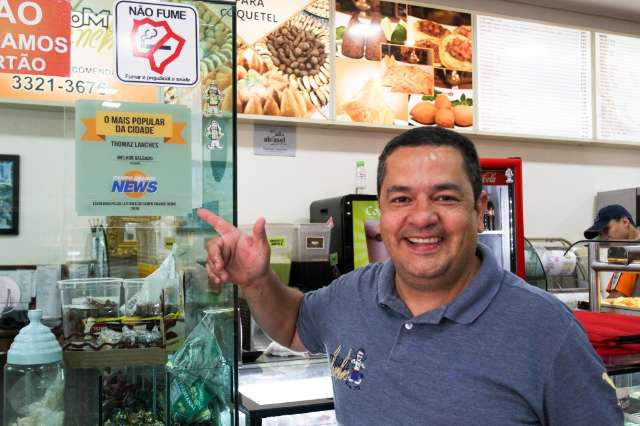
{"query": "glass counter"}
(134, 131)
(624, 371)
(286, 392)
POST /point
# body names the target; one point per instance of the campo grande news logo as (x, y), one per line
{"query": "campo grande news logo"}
(134, 184)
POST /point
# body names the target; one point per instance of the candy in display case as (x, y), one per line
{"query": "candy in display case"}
(88, 302)
(133, 396)
(96, 317)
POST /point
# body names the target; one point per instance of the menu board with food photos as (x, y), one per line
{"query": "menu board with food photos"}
(533, 79)
(399, 64)
(617, 87)
(283, 58)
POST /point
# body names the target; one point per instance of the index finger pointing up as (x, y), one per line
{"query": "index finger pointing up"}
(219, 224)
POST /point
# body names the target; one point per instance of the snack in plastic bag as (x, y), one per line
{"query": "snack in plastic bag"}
(200, 377)
(146, 301)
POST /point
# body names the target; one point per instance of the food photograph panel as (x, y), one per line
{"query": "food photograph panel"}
(399, 64)
(284, 62)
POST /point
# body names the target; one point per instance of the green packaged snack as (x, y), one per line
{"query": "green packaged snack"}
(200, 377)
(189, 401)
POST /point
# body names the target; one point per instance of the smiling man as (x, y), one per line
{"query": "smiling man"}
(431, 213)
(439, 334)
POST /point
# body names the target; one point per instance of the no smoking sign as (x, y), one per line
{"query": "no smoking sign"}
(156, 43)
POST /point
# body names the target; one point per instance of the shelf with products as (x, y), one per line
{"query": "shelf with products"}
(611, 330)
(624, 360)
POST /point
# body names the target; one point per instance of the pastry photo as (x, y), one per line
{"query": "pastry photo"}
(449, 35)
(456, 52)
(406, 78)
(442, 111)
(360, 97)
(287, 72)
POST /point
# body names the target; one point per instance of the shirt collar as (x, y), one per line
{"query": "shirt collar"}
(464, 309)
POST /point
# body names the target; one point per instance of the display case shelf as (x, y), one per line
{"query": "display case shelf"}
(284, 388)
(115, 358)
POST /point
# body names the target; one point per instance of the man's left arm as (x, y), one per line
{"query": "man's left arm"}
(578, 390)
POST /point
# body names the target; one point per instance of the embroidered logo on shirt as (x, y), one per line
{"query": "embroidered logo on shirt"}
(607, 379)
(350, 368)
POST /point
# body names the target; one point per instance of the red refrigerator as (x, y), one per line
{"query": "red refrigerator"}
(503, 219)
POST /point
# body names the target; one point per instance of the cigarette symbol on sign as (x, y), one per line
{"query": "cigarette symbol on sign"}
(150, 34)
(156, 42)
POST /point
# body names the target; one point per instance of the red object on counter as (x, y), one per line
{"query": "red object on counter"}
(611, 334)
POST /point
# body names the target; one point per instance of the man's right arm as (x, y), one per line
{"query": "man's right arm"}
(576, 371)
(243, 260)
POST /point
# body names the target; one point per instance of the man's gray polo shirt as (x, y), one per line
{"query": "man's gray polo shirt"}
(502, 353)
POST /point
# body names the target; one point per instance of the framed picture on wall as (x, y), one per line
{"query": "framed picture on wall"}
(9, 194)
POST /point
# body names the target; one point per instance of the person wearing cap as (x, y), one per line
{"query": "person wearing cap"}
(614, 222)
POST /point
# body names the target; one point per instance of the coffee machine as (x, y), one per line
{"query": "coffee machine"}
(355, 236)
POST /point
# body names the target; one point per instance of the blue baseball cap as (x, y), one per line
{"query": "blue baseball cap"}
(605, 214)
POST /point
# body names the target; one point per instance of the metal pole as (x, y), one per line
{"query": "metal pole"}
(594, 278)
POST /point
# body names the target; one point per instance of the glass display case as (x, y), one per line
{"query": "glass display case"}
(625, 374)
(132, 130)
(613, 261)
(621, 359)
(286, 392)
(557, 266)
(132, 394)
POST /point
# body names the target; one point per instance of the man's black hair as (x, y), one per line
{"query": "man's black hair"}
(435, 136)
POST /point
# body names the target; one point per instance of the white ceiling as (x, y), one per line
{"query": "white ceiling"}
(621, 9)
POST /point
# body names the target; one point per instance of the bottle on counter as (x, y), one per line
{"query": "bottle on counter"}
(361, 177)
(489, 216)
(34, 377)
(491, 212)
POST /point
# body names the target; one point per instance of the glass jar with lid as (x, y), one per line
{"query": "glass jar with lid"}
(34, 377)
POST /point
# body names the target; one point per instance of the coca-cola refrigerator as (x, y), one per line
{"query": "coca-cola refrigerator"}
(503, 218)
